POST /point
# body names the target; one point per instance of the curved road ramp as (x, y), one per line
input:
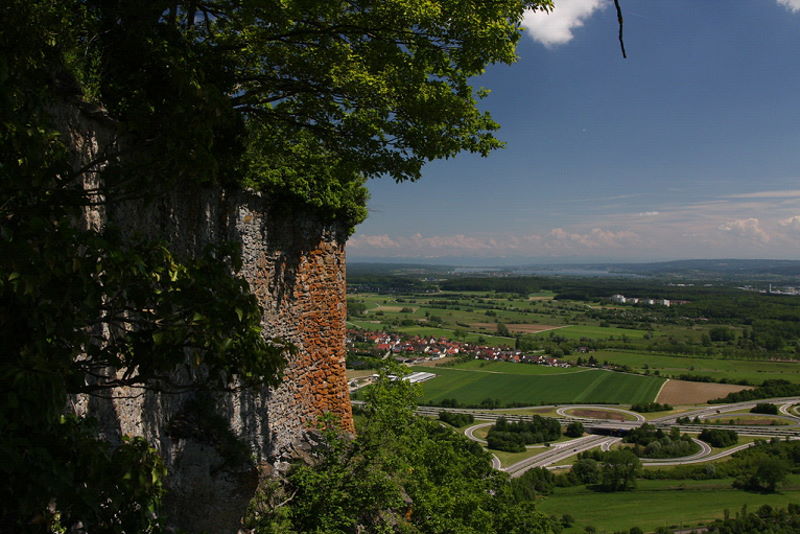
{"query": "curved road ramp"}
(604, 433)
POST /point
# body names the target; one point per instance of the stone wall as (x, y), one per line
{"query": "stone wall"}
(295, 265)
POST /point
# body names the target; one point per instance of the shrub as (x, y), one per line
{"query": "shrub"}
(645, 407)
(513, 437)
(765, 407)
(574, 429)
(719, 438)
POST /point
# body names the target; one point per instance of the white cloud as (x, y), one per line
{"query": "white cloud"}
(791, 223)
(791, 5)
(558, 238)
(649, 213)
(382, 241)
(555, 27)
(749, 228)
(557, 241)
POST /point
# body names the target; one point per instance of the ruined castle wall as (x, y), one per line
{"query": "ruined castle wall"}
(295, 265)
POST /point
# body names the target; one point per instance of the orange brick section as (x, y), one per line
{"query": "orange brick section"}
(320, 293)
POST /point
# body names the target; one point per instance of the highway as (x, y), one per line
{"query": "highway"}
(601, 430)
(555, 454)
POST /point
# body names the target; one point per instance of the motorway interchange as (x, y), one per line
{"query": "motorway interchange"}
(599, 429)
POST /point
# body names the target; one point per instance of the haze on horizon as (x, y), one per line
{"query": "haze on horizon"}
(690, 148)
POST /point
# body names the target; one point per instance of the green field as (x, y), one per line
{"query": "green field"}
(754, 371)
(515, 368)
(658, 503)
(595, 332)
(470, 387)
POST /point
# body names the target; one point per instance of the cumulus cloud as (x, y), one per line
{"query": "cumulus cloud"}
(596, 238)
(557, 241)
(749, 228)
(555, 27)
(382, 241)
(791, 5)
(791, 223)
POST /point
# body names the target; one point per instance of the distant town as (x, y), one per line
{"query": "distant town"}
(416, 349)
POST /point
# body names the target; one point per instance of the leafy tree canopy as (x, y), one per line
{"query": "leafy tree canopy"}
(301, 99)
(402, 473)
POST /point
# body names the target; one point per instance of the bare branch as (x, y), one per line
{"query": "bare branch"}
(620, 21)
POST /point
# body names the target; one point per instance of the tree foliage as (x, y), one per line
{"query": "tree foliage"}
(620, 469)
(718, 437)
(765, 407)
(303, 100)
(401, 473)
(652, 442)
(765, 520)
(514, 436)
(574, 430)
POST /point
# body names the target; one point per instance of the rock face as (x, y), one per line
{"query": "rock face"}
(295, 265)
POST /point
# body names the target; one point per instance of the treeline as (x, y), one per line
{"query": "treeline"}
(765, 520)
(512, 437)
(519, 285)
(486, 404)
(770, 388)
(614, 470)
(645, 407)
(375, 283)
(718, 437)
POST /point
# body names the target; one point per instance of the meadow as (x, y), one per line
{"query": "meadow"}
(472, 386)
(576, 332)
(659, 503)
(754, 371)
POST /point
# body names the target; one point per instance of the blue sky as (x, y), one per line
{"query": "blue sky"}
(690, 148)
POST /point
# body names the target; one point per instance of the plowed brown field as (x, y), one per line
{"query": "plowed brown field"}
(684, 392)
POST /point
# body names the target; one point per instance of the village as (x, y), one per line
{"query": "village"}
(416, 349)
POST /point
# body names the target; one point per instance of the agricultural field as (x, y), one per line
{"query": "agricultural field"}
(473, 386)
(599, 332)
(513, 368)
(683, 392)
(659, 503)
(754, 371)
(713, 332)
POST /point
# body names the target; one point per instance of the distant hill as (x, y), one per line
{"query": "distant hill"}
(723, 267)
(732, 269)
(356, 268)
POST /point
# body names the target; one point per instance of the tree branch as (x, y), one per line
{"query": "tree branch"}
(620, 21)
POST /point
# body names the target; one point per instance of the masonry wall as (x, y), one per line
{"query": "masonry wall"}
(295, 265)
